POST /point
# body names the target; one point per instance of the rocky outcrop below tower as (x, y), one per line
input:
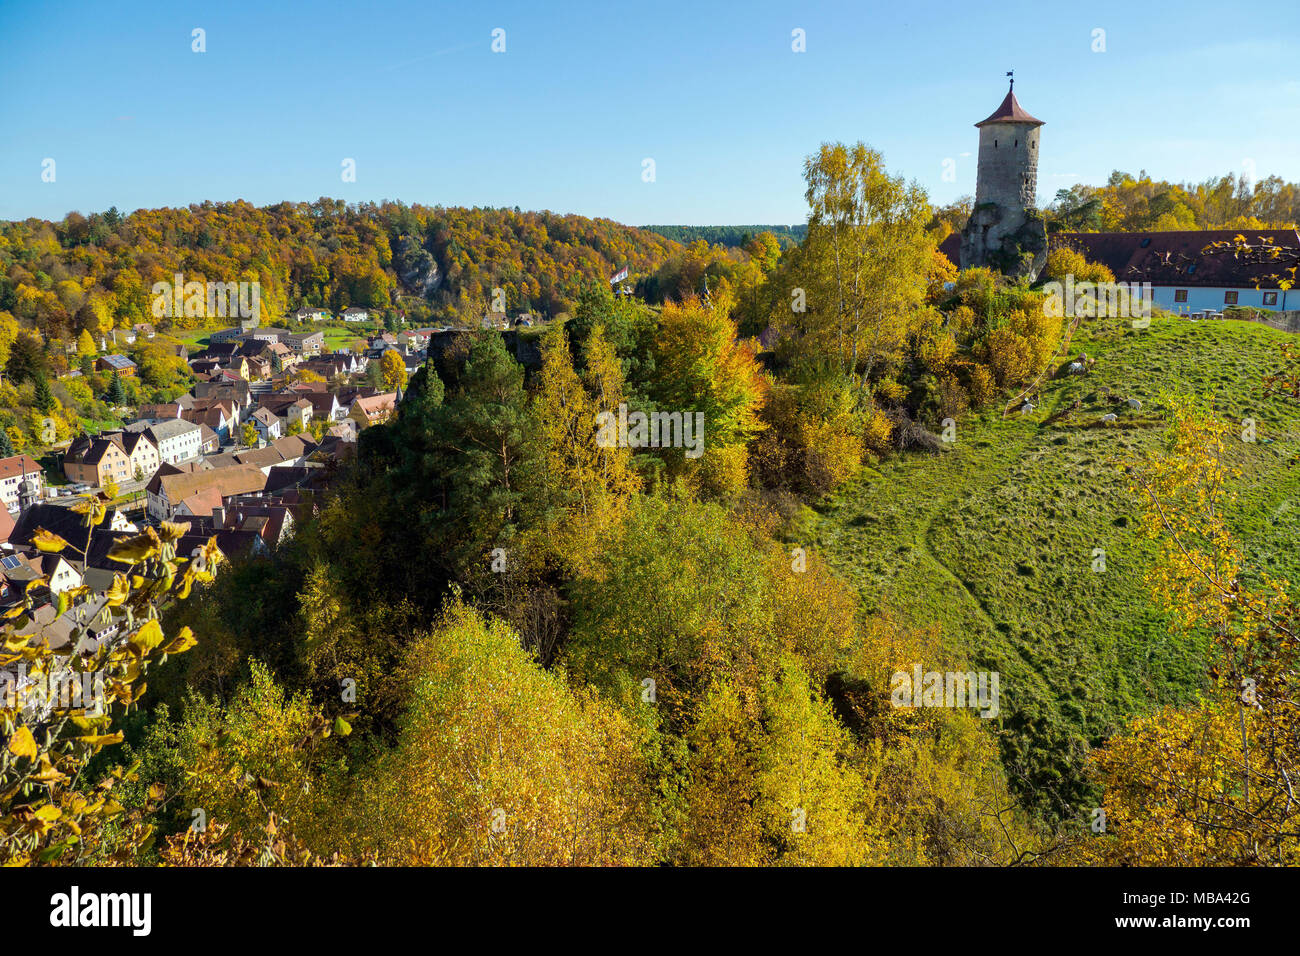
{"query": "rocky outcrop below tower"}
(997, 237)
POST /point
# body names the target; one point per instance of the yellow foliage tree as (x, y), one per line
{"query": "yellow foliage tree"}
(500, 763)
(392, 370)
(1211, 784)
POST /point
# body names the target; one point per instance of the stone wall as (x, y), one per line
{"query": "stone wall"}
(1008, 165)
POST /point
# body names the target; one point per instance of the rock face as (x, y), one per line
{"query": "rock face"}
(416, 267)
(997, 237)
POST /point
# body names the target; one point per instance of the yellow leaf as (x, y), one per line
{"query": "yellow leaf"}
(48, 541)
(139, 547)
(119, 592)
(181, 642)
(23, 744)
(147, 638)
(173, 530)
(93, 510)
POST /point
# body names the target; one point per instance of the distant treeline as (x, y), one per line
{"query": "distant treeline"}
(95, 272)
(734, 236)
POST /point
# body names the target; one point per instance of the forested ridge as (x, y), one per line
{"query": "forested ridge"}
(95, 272)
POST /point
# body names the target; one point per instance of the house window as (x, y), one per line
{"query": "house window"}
(1230, 298)
(1270, 298)
(1180, 295)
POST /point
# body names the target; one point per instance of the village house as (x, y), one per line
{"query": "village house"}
(13, 472)
(292, 408)
(219, 352)
(1191, 272)
(97, 461)
(287, 451)
(170, 486)
(116, 337)
(345, 431)
(309, 313)
(267, 424)
(217, 414)
(305, 345)
(238, 393)
(158, 412)
(374, 409)
(143, 453)
(223, 336)
(281, 357)
(355, 313)
(1189, 275)
(176, 440)
(258, 369)
(59, 572)
(325, 405)
(120, 364)
(209, 441)
(414, 340)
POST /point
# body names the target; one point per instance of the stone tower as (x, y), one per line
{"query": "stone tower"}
(1005, 230)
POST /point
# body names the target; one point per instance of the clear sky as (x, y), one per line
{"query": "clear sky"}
(584, 92)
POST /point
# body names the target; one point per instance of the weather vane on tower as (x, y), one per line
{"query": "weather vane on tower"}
(1012, 74)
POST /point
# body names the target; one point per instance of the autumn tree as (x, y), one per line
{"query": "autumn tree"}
(547, 776)
(701, 367)
(393, 370)
(860, 274)
(51, 809)
(1209, 784)
(588, 485)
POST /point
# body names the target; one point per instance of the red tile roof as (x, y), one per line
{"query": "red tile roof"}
(1190, 258)
(1010, 112)
(17, 465)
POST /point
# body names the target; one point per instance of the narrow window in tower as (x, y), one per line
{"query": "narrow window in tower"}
(1016, 143)
(995, 144)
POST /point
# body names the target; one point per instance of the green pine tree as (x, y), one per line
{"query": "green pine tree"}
(44, 398)
(116, 394)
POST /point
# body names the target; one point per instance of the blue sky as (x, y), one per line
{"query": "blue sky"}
(585, 91)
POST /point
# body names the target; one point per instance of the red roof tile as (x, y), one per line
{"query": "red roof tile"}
(1186, 258)
(1010, 112)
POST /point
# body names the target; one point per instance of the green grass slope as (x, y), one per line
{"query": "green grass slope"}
(994, 540)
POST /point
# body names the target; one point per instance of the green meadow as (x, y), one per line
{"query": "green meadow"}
(996, 540)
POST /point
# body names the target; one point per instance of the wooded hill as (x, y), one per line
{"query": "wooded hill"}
(95, 272)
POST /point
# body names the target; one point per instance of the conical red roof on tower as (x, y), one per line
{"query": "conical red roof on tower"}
(1010, 112)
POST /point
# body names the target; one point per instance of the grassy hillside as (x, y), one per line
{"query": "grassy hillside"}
(993, 540)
